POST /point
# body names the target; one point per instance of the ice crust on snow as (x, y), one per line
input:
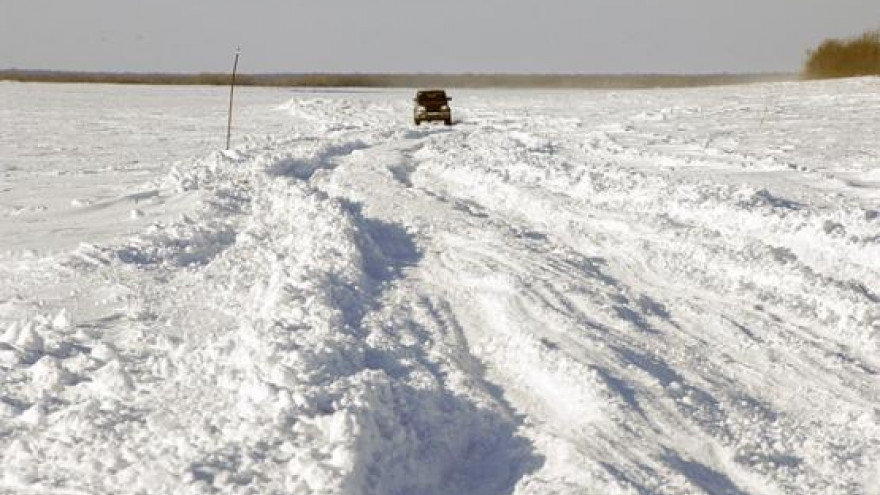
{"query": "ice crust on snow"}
(646, 292)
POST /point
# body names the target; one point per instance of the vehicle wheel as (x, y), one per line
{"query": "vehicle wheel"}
(417, 121)
(448, 121)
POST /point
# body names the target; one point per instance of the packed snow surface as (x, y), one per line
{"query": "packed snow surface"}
(578, 292)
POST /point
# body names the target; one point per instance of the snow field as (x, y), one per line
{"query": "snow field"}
(671, 292)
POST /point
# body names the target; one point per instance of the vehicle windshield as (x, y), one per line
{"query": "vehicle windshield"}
(431, 96)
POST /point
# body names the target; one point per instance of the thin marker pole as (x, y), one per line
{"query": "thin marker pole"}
(231, 93)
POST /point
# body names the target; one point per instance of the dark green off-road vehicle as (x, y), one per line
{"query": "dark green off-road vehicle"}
(432, 104)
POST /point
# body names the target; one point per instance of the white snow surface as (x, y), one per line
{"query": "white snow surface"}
(567, 292)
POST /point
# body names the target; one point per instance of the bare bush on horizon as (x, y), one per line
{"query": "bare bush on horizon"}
(853, 57)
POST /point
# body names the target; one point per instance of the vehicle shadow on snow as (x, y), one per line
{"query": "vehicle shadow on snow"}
(454, 443)
(425, 132)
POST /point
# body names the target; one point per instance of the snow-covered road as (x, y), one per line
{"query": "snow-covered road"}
(639, 292)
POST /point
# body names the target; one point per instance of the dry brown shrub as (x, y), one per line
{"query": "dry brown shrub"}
(845, 58)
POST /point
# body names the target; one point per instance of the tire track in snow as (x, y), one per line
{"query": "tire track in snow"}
(574, 221)
(421, 209)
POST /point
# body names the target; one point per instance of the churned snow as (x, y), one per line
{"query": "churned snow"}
(567, 292)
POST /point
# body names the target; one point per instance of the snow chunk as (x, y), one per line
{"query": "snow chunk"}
(7, 411)
(8, 357)
(34, 416)
(10, 336)
(48, 374)
(104, 352)
(29, 340)
(61, 320)
(112, 380)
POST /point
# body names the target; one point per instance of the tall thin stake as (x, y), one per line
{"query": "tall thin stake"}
(231, 93)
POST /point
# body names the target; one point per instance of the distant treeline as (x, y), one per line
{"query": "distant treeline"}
(400, 80)
(845, 58)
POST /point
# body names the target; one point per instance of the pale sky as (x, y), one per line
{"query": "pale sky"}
(518, 36)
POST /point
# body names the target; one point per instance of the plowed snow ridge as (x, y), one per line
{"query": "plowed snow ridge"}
(644, 292)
